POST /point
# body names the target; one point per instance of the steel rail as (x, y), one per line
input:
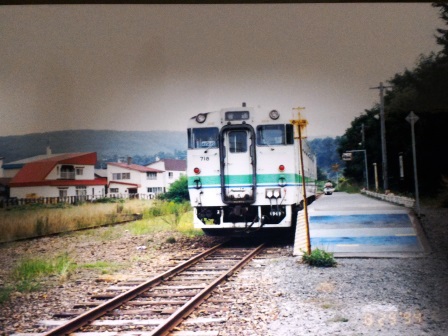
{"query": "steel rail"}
(177, 317)
(93, 314)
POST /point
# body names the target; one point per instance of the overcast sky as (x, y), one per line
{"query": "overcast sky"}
(152, 67)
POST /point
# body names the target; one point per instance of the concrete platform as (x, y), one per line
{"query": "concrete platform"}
(354, 225)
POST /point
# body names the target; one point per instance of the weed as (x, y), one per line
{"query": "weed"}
(42, 226)
(348, 186)
(171, 240)
(109, 200)
(27, 285)
(104, 267)
(120, 208)
(27, 273)
(319, 258)
(5, 293)
(109, 234)
(339, 319)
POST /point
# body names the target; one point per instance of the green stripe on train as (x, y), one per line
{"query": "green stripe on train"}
(247, 179)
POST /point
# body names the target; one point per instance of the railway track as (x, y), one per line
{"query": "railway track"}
(158, 306)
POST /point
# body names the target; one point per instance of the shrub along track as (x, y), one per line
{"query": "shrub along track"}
(142, 308)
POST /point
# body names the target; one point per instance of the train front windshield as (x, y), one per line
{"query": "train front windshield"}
(274, 135)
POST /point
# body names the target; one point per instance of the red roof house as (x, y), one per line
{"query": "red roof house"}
(58, 176)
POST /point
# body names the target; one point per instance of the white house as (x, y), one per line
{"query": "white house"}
(172, 170)
(132, 180)
(57, 175)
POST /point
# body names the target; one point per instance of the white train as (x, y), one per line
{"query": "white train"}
(244, 170)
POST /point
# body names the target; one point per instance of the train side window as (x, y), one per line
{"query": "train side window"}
(237, 141)
(274, 135)
(206, 137)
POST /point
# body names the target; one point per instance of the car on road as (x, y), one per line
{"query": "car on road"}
(328, 188)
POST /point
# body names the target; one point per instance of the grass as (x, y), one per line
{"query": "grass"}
(165, 216)
(104, 267)
(5, 293)
(29, 273)
(35, 220)
(319, 258)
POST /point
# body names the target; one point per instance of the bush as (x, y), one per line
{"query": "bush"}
(349, 186)
(109, 200)
(178, 191)
(319, 258)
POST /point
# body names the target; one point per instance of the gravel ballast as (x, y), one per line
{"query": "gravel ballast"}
(277, 295)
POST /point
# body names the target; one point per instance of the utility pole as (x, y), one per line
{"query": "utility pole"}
(376, 176)
(363, 137)
(412, 119)
(383, 134)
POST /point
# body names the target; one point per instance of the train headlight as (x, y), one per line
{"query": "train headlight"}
(281, 168)
(274, 115)
(200, 118)
(197, 170)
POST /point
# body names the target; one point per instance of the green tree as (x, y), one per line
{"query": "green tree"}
(442, 38)
(178, 191)
(422, 90)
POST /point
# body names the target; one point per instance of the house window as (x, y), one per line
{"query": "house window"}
(155, 190)
(121, 176)
(170, 175)
(114, 190)
(67, 172)
(62, 192)
(79, 171)
(151, 176)
(81, 191)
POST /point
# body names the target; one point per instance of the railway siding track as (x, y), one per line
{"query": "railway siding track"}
(159, 305)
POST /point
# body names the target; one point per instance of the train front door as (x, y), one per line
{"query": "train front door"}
(238, 164)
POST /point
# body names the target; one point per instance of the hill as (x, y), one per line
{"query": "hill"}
(326, 150)
(108, 144)
(143, 147)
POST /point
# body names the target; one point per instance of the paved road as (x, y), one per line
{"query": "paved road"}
(357, 225)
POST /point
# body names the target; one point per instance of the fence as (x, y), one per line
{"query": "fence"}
(14, 202)
(400, 200)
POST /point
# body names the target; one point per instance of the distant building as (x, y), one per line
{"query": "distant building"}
(56, 175)
(173, 170)
(132, 180)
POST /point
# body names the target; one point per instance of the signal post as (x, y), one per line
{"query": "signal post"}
(302, 242)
